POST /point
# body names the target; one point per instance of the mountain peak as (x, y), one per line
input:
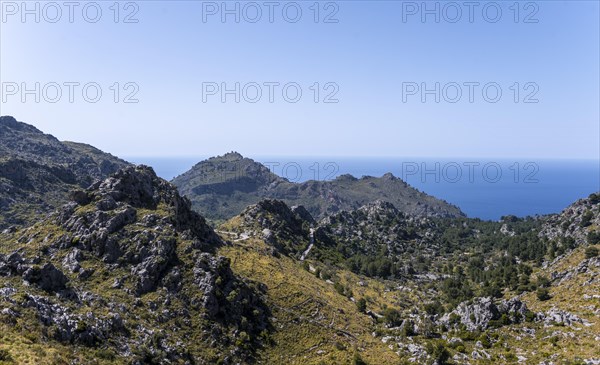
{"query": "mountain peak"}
(10, 122)
(232, 156)
(346, 177)
(139, 187)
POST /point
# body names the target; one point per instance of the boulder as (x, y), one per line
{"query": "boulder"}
(47, 277)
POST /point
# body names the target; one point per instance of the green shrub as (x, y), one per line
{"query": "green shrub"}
(434, 308)
(392, 317)
(485, 341)
(361, 305)
(593, 238)
(340, 346)
(543, 294)
(408, 329)
(5, 355)
(357, 360)
(106, 354)
(591, 252)
(529, 316)
(339, 288)
(586, 219)
(543, 282)
(438, 352)
(454, 319)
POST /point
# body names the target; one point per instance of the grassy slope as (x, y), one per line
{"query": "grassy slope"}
(314, 323)
(574, 342)
(311, 314)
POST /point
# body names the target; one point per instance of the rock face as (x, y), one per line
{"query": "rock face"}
(46, 277)
(288, 230)
(223, 292)
(221, 187)
(479, 314)
(575, 222)
(560, 317)
(115, 203)
(93, 267)
(37, 171)
(373, 226)
(585, 266)
(68, 327)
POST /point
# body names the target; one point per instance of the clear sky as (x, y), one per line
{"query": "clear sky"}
(375, 57)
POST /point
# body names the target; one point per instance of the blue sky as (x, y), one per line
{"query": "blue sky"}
(371, 54)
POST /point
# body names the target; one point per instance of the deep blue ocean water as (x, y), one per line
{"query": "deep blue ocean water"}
(485, 188)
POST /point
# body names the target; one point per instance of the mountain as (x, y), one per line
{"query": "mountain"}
(125, 273)
(221, 187)
(37, 171)
(351, 271)
(376, 286)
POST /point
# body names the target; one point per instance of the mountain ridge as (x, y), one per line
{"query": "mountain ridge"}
(37, 171)
(221, 187)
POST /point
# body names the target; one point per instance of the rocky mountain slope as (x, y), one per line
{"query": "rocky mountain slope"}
(125, 273)
(221, 187)
(476, 292)
(128, 273)
(576, 222)
(37, 171)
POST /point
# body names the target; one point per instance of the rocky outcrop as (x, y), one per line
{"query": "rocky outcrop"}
(12, 264)
(286, 229)
(557, 316)
(101, 258)
(590, 265)
(575, 222)
(69, 327)
(113, 205)
(480, 314)
(47, 277)
(373, 226)
(223, 293)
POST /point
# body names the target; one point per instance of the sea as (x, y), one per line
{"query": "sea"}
(482, 188)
